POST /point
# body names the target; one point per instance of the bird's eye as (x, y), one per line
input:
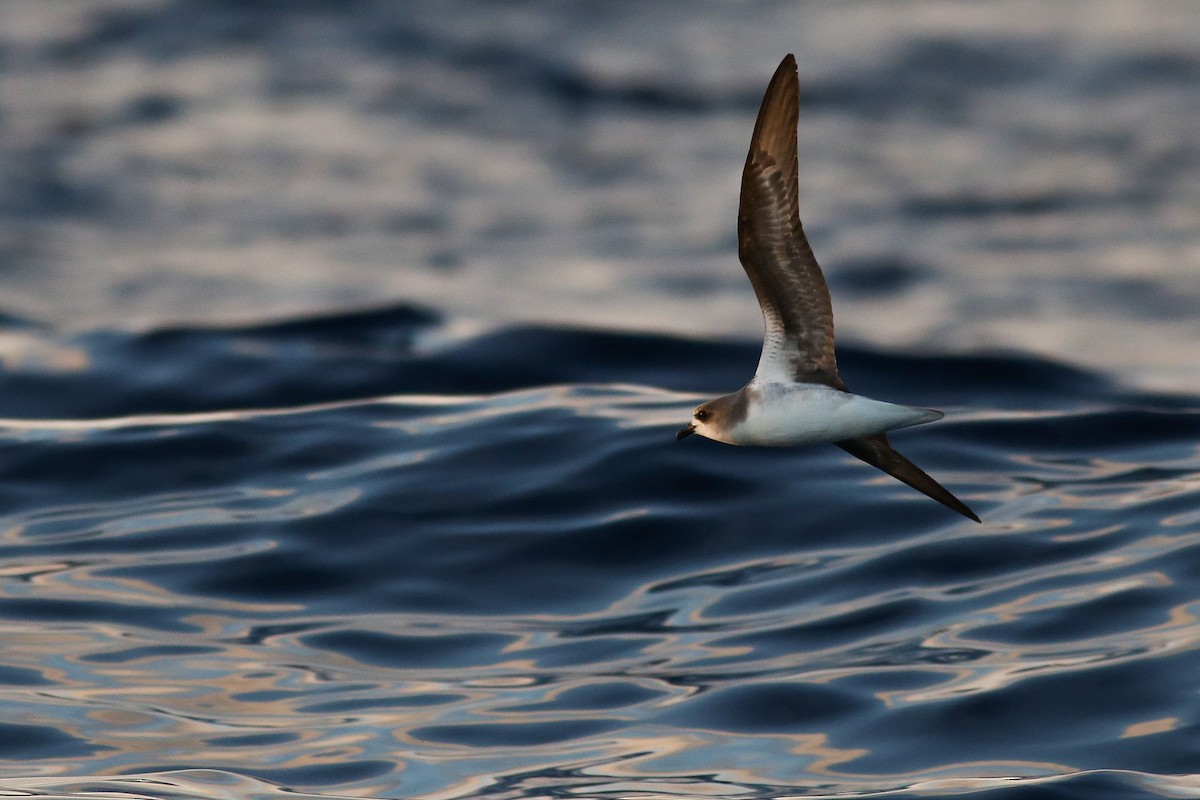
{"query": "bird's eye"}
(701, 415)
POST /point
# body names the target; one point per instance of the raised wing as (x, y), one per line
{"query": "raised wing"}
(798, 341)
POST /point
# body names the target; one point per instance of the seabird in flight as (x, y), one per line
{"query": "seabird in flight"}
(796, 395)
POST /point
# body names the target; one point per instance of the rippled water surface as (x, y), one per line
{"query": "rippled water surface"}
(336, 460)
(279, 566)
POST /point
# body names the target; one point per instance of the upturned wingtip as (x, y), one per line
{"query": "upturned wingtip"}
(786, 66)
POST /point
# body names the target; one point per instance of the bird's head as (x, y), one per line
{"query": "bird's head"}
(711, 420)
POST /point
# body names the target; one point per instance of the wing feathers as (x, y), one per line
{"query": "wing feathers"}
(878, 452)
(798, 315)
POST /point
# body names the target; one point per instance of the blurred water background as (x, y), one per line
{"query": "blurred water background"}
(343, 345)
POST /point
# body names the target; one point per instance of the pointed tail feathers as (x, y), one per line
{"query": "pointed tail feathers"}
(876, 451)
(920, 416)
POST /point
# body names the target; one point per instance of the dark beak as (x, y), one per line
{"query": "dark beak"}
(684, 432)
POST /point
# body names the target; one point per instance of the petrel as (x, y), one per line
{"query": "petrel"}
(796, 396)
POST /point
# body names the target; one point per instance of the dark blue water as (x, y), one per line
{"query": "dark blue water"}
(341, 555)
(337, 452)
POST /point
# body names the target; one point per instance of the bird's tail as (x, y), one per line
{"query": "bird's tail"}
(917, 416)
(876, 451)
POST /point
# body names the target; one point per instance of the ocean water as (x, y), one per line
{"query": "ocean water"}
(344, 345)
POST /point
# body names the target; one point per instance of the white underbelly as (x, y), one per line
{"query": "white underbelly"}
(807, 414)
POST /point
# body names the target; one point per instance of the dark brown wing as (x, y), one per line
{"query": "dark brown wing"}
(798, 342)
(876, 451)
